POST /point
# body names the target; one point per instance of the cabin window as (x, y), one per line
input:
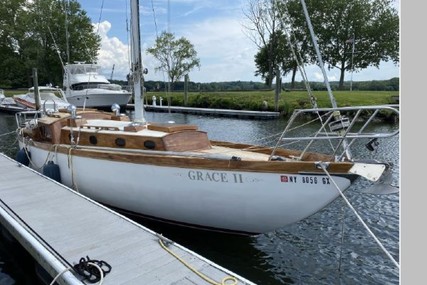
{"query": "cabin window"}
(149, 144)
(93, 140)
(86, 85)
(120, 142)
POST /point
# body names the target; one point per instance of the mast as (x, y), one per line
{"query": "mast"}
(136, 65)
(112, 72)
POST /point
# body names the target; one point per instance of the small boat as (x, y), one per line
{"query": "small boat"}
(174, 173)
(47, 96)
(84, 86)
(8, 105)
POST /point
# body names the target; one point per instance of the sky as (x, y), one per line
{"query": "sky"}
(214, 27)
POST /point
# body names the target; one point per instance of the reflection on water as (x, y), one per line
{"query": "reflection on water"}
(330, 247)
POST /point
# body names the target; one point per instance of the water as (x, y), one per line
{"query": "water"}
(330, 247)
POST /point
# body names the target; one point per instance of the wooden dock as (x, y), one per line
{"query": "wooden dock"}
(59, 227)
(243, 114)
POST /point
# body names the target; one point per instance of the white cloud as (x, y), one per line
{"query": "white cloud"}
(113, 52)
(225, 52)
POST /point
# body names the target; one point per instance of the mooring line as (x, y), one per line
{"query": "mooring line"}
(323, 166)
(6, 134)
(227, 280)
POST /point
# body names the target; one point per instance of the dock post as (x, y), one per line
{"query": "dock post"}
(36, 88)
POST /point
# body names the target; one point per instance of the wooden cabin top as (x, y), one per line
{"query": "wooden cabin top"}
(103, 129)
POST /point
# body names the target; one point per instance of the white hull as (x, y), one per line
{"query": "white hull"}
(228, 200)
(92, 98)
(47, 97)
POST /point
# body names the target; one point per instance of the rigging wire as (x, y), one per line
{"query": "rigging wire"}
(169, 56)
(67, 34)
(154, 18)
(342, 235)
(129, 75)
(97, 32)
(56, 48)
(100, 16)
(291, 40)
(127, 34)
(323, 166)
(157, 36)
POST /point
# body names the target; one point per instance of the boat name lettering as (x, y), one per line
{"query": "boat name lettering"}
(215, 176)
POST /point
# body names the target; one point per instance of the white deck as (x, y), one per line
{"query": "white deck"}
(244, 155)
(59, 226)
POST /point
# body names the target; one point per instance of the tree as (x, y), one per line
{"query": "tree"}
(32, 33)
(280, 57)
(11, 70)
(371, 25)
(263, 24)
(52, 22)
(176, 57)
(270, 24)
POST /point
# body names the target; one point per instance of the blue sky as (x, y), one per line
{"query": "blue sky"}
(214, 27)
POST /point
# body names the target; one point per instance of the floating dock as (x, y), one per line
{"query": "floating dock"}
(243, 114)
(62, 229)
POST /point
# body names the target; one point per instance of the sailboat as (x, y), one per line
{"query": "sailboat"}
(174, 173)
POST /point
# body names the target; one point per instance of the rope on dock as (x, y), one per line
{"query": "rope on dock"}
(84, 270)
(224, 281)
(59, 275)
(323, 166)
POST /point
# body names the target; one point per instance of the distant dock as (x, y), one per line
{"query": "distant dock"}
(244, 114)
(59, 227)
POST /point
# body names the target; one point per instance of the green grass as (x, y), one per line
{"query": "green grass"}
(253, 100)
(288, 101)
(10, 93)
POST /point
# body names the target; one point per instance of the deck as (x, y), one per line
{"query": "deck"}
(58, 227)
